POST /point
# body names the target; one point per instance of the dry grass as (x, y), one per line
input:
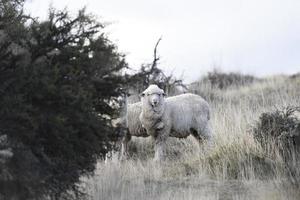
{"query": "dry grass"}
(237, 167)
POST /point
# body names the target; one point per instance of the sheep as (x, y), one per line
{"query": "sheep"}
(177, 116)
(160, 117)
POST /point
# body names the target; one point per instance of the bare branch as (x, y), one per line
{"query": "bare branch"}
(155, 58)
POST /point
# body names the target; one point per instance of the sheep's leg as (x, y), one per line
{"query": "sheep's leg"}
(205, 134)
(124, 146)
(196, 135)
(160, 146)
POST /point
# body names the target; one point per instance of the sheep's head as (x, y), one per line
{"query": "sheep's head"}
(153, 96)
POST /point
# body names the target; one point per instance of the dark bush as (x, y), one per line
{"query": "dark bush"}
(279, 132)
(280, 126)
(58, 78)
(295, 76)
(224, 80)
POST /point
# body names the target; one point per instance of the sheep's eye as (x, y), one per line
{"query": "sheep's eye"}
(148, 94)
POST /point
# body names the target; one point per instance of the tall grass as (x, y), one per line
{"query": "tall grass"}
(237, 167)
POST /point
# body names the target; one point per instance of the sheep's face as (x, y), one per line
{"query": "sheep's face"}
(155, 99)
(153, 96)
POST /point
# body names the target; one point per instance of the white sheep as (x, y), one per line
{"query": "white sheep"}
(177, 116)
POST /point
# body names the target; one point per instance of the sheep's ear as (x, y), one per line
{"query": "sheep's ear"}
(142, 94)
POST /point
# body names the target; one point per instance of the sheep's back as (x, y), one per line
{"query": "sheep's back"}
(187, 111)
(134, 123)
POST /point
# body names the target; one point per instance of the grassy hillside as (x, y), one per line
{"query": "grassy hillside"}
(237, 167)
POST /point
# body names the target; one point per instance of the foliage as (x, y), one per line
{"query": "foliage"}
(58, 79)
(281, 126)
(224, 80)
(295, 76)
(211, 86)
(278, 133)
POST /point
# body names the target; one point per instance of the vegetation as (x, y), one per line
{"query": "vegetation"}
(223, 80)
(58, 79)
(216, 81)
(282, 126)
(238, 167)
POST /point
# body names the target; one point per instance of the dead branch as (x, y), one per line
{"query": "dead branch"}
(155, 58)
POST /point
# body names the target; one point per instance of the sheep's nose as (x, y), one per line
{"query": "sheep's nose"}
(155, 102)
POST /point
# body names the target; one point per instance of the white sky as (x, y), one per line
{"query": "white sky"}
(261, 37)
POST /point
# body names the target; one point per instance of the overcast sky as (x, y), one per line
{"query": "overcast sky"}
(261, 37)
